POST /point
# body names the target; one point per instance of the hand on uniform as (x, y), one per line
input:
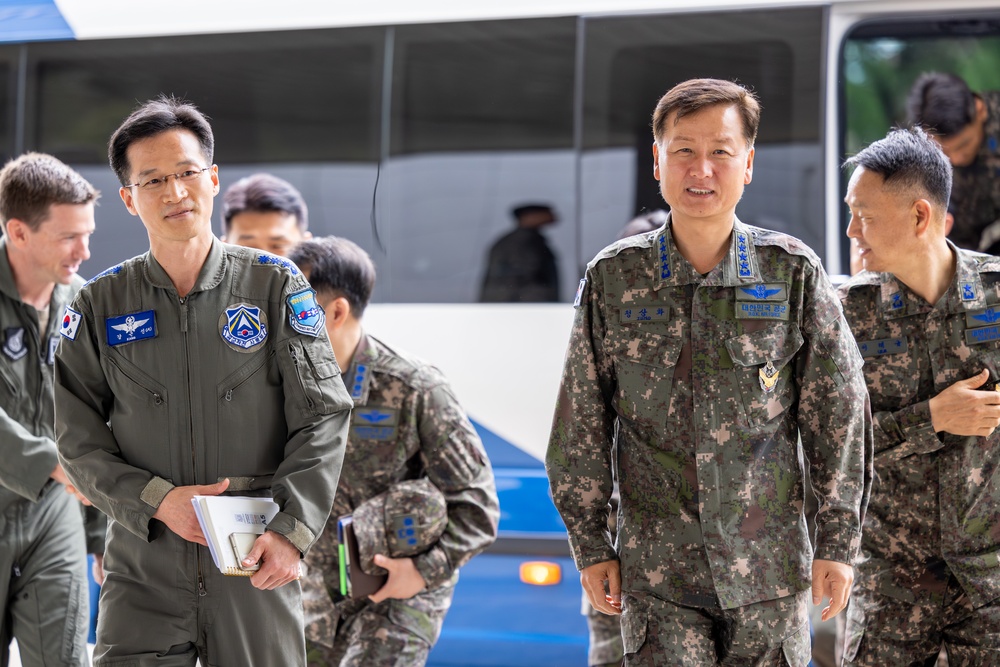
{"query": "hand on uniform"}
(60, 476)
(279, 561)
(592, 579)
(177, 512)
(964, 409)
(404, 581)
(833, 580)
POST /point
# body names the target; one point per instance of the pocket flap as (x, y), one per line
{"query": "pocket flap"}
(649, 348)
(634, 623)
(770, 344)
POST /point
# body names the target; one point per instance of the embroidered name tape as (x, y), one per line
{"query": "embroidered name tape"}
(881, 346)
(746, 310)
(130, 328)
(641, 313)
(982, 335)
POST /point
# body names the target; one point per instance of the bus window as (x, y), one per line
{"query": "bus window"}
(302, 105)
(7, 96)
(482, 121)
(881, 60)
(631, 62)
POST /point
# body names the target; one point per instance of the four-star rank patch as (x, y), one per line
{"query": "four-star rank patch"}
(306, 316)
(243, 327)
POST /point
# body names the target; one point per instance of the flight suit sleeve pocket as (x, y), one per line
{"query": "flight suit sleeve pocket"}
(314, 375)
(634, 621)
(764, 374)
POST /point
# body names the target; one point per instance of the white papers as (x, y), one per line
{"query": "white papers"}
(221, 516)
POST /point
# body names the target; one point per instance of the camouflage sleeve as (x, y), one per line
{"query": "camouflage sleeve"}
(835, 421)
(578, 460)
(456, 463)
(905, 432)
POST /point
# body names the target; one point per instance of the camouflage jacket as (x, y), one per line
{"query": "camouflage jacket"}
(705, 384)
(935, 505)
(408, 424)
(975, 192)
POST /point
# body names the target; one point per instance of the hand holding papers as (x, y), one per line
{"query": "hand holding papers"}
(231, 524)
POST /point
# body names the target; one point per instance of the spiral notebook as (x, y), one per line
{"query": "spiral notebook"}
(230, 524)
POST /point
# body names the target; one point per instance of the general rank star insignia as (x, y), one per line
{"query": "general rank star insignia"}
(768, 377)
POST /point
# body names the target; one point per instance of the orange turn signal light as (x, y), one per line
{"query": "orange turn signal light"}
(541, 573)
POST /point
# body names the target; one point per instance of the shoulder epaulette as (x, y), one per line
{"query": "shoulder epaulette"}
(267, 259)
(641, 241)
(113, 271)
(787, 242)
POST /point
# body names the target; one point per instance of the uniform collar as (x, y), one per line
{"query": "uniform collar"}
(965, 292)
(357, 381)
(738, 267)
(211, 274)
(7, 284)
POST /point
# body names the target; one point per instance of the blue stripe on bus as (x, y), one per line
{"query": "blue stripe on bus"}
(503, 453)
(32, 21)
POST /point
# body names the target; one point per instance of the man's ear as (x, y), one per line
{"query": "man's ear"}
(923, 213)
(17, 231)
(337, 311)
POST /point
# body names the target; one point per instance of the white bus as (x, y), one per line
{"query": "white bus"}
(414, 128)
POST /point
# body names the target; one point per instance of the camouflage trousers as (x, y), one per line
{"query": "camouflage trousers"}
(605, 637)
(881, 630)
(774, 633)
(393, 633)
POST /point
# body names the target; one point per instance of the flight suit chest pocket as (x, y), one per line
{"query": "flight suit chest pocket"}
(645, 362)
(140, 419)
(251, 409)
(764, 372)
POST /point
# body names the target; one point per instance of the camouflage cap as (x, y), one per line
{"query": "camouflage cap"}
(404, 521)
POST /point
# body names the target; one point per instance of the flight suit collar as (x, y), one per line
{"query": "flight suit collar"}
(965, 293)
(738, 267)
(210, 276)
(358, 380)
(7, 284)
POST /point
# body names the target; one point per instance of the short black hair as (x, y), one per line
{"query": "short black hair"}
(263, 193)
(906, 159)
(525, 209)
(339, 268)
(152, 118)
(941, 103)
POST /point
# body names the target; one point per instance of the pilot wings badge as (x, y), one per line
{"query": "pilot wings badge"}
(129, 328)
(768, 377)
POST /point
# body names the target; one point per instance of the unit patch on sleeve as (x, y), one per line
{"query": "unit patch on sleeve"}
(70, 324)
(307, 316)
(243, 327)
(130, 328)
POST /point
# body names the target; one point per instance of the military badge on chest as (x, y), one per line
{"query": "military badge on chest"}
(130, 328)
(768, 377)
(243, 327)
(14, 345)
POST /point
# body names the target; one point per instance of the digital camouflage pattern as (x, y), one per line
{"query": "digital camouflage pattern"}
(935, 507)
(605, 637)
(673, 367)
(407, 424)
(975, 190)
(773, 633)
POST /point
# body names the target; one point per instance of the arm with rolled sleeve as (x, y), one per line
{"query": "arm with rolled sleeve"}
(578, 460)
(318, 413)
(455, 462)
(88, 450)
(834, 416)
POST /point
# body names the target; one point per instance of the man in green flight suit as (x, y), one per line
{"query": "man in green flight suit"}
(407, 426)
(47, 213)
(703, 351)
(196, 368)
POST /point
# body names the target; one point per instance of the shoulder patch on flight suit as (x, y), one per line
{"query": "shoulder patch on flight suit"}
(13, 345)
(114, 270)
(70, 323)
(307, 316)
(273, 260)
(243, 327)
(130, 328)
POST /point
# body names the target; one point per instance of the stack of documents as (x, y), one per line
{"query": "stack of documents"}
(231, 524)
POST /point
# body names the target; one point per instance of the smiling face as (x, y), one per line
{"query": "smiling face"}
(702, 162)
(882, 223)
(180, 211)
(53, 253)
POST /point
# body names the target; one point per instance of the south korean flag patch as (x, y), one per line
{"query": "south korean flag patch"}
(306, 316)
(70, 324)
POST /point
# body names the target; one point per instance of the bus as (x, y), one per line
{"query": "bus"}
(414, 128)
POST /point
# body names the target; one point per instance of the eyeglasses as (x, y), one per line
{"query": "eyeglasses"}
(157, 183)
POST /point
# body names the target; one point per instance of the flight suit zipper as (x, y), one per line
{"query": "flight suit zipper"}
(298, 374)
(194, 454)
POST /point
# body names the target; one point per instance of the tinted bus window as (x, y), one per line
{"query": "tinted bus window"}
(302, 105)
(631, 62)
(482, 121)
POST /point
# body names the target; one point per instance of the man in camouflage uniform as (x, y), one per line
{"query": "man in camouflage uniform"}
(197, 368)
(47, 215)
(703, 351)
(407, 425)
(924, 313)
(967, 126)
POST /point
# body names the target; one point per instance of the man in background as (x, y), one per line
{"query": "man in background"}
(409, 436)
(521, 267)
(967, 127)
(264, 212)
(47, 215)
